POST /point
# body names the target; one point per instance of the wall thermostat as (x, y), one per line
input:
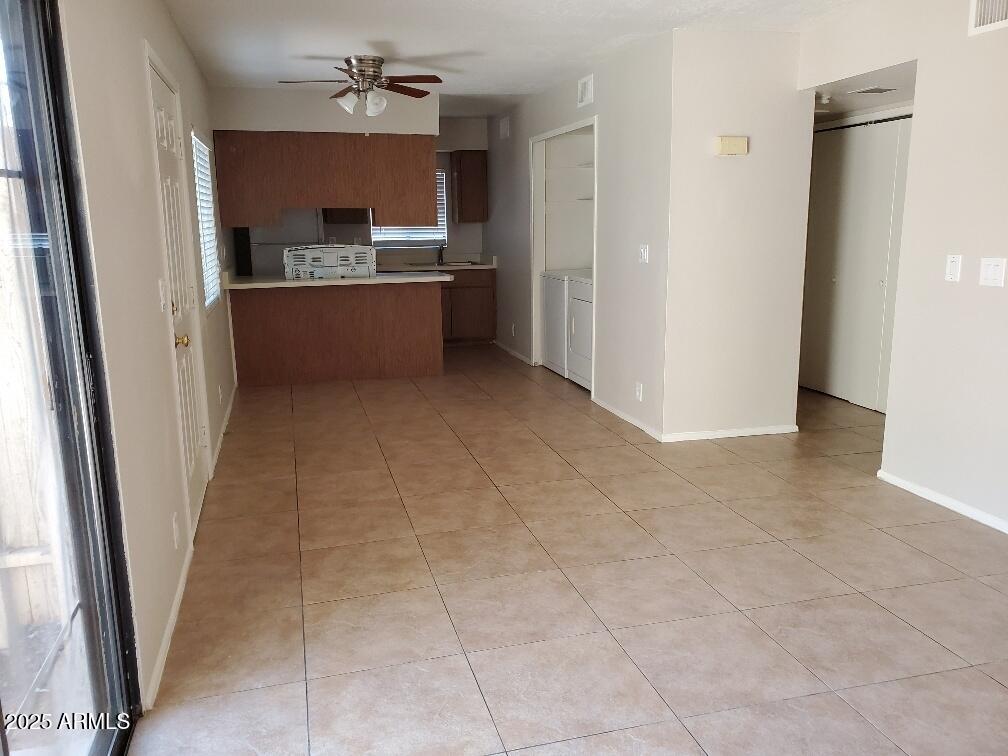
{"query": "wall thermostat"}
(731, 145)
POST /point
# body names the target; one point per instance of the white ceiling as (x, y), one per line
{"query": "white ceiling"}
(901, 79)
(485, 50)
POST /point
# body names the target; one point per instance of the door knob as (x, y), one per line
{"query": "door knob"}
(182, 341)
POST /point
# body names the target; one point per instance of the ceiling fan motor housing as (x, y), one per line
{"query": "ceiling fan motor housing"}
(366, 70)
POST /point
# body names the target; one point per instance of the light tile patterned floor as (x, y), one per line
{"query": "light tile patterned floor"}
(487, 561)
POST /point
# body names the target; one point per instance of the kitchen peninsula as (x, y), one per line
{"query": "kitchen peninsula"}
(287, 332)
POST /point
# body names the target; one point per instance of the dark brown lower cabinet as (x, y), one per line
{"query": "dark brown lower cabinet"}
(446, 312)
(469, 306)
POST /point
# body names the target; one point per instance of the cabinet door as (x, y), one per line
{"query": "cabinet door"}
(579, 341)
(404, 165)
(469, 186)
(259, 173)
(555, 325)
(244, 160)
(473, 313)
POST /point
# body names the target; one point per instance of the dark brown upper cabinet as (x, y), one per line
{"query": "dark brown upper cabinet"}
(470, 203)
(260, 173)
(407, 191)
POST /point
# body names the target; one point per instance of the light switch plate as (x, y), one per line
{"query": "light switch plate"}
(953, 268)
(643, 253)
(992, 271)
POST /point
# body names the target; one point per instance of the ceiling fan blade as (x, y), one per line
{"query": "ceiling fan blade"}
(341, 93)
(313, 81)
(408, 91)
(415, 79)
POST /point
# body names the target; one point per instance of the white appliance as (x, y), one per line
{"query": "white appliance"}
(317, 261)
(568, 315)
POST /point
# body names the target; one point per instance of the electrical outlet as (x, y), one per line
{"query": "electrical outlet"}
(643, 253)
(175, 528)
(639, 391)
(514, 330)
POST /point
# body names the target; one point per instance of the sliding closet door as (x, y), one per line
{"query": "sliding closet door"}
(853, 239)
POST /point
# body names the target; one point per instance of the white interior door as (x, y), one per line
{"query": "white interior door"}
(182, 290)
(853, 237)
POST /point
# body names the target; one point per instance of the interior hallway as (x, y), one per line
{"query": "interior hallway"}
(487, 561)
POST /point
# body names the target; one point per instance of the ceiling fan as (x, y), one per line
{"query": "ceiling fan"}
(365, 79)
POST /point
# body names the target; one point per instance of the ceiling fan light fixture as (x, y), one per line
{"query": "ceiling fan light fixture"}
(376, 103)
(348, 102)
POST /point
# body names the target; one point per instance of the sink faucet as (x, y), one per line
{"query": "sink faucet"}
(440, 255)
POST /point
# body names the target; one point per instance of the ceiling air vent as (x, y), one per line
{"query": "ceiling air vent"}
(586, 91)
(876, 90)
(988, 15)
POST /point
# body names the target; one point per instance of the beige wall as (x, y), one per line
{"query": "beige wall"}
(462, 134)
(947, 426)
(737, 248)
(464, 239)
(290, 109)
(569, 206)
(711, 325)
(104, 42)
(634, 123)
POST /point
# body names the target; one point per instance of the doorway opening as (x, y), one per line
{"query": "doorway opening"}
(564, 227)
(860, 154)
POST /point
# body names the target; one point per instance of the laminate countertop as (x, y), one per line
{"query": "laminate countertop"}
(279, 282)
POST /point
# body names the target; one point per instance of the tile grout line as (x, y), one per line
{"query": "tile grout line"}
(304, 632)
(581, 596)
(436, 586)
(854, 591)
(567, 578)
(727, 504)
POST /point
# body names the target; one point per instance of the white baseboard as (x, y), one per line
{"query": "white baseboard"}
(224, 425)
(655, 434)
(513, 353)
(948, 502)
(766, 430)
(150, 694)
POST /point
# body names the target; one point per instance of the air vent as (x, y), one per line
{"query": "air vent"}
(586, 91)
(988, 15)
(505, 127)
(876, 90)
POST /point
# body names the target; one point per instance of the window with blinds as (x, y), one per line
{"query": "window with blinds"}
(206, 221)
(417, 236)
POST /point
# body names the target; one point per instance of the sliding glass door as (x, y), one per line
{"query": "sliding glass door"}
(66, 682)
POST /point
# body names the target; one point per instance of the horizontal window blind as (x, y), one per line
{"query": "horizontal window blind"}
(207, 222)
(417, 236)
